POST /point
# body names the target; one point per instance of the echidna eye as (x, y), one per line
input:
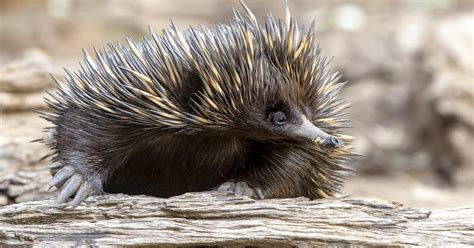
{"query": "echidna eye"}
(278, 118)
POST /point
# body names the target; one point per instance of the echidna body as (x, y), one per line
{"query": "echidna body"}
(248, 108)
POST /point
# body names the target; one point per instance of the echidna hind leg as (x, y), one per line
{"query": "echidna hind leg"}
(240, 188)
(70, 183)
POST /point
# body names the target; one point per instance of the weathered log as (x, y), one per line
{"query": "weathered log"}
(211, 218)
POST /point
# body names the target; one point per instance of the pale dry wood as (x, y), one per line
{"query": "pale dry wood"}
(214, 219)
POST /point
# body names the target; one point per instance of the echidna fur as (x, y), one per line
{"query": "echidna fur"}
(188, 111)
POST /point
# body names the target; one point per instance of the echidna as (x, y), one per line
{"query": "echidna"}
(246, 108)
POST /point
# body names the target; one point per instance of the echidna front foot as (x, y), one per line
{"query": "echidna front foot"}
(70, 183)
(240, 188)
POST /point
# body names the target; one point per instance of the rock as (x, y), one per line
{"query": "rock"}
(389, 137)
(411, 34)
(455, 38)
(29, 73)
(349, 17)
(16, 190)
(3, 200)
(453, 95)
(461, 138)
(25, 185)
(376, 52)
(35, 196)
(16, 149)
(11, 102)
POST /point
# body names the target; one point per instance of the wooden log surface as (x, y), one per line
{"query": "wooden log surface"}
(211, 218)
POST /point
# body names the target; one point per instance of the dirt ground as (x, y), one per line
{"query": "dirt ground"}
(409, 65)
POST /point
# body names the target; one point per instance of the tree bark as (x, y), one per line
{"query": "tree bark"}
(211, 218)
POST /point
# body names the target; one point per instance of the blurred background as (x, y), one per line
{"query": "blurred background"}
(409, 65)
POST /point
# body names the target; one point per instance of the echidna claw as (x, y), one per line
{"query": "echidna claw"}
(70, 184)
(69, 188)
(55, 165)
(240, 188)
(60, 176)
(225, 187)
(259, 193)
(84, 191)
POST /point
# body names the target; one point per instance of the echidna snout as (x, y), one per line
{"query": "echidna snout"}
(308, 130)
